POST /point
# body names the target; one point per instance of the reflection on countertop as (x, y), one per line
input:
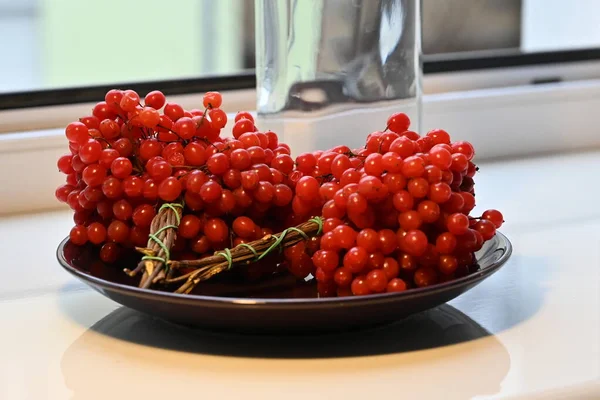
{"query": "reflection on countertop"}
(392, 347)
(442, 326)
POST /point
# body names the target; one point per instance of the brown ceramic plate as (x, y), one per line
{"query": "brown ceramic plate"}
(276, 305)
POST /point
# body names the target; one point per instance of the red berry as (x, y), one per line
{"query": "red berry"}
(169, 189)
(415, 242)
(216, 230)
(78, 235)
(173, 111)
(368, 239)
(218, 118)
(118, 231)
(413, 167)
(94, 174)
(398, 122)
(403, 201)
(376, 260)
(468, 202)
(396, 285)
(123, 146)
(445, 243)
(440, 157)
(464, 148)
(244, 115)
(159, 170)
(283, 195)
(494, 216)
(109, 253)
(326, 260)
(129, 101)
(217, 164)
(425, 276)
(460, 162)
(344, 236)
(122, 210)
(109, 129)
(447, 264)
(96, 233)
(387, 241)
(113, 98)
(65, 164)
(212, 100)
(307, 188)
(486, 228)
(150, 190)
(77, 132)
(90, 151)
(62, 192)
(359, 286)
(121, 167)
(458, 223)
(155, 99)
(374, 165)
(143, 214)
(291, 253)
(410, 220)
(185, 128)
(306, 163)
(356, 204)
(439, 136)
(429, 211)
(376, 281)
(343, 277)
(190, 226)
(418, 187)
(149, 117)
(242, 126)
(356, 259)
(210, 191)
(391, 268)
(440, 192)
(372, 188)
(403, 146)
(244, 227)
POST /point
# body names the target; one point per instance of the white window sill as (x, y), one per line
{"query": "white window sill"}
(543, 291)
(500, 122)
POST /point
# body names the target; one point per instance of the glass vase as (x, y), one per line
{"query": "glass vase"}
(330, 72)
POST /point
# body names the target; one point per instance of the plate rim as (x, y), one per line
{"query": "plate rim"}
(95, 282)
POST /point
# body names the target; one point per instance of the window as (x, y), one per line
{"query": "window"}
(70, 43)
(51, 47)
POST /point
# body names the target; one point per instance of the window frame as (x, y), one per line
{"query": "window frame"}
(505, 122)
(431, 64)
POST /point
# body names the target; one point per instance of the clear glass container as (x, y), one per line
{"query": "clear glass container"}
(330, 72)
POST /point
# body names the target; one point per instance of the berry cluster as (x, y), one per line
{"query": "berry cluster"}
(396, 211)
(128, 158)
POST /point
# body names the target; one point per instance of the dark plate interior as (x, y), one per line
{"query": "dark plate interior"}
(278, 304)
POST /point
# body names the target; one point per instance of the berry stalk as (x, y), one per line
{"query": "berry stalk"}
(242, 254)
(163, 232)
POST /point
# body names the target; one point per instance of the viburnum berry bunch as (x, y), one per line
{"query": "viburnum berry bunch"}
(394, 214)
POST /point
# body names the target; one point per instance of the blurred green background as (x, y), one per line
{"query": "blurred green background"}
(67, 43)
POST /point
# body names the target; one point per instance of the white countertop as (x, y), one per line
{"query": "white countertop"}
(531, 331)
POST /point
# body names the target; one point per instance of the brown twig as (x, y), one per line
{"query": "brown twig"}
(163, 232)
(157, 268)
(241, 254)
